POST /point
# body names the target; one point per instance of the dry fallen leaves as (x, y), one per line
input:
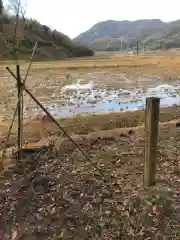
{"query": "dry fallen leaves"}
(64, 197)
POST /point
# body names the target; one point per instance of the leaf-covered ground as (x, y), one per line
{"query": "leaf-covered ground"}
(57, 194)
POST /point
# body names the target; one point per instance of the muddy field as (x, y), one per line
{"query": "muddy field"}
(107, 90)
(118, 84)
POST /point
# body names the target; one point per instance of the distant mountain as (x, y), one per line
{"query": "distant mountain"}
(109, 35)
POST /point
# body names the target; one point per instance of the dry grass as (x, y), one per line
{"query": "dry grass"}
(123, 61)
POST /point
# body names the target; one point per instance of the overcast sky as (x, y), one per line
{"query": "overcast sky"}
(75, 16)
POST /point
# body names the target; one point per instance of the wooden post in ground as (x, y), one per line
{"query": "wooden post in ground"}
(19, 110)
(151, 138)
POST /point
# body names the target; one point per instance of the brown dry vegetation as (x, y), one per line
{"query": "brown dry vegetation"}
(84, 124)
(116, 60)
(57, 194)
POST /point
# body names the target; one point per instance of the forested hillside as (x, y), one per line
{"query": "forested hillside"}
(112, 35)
(19, 36)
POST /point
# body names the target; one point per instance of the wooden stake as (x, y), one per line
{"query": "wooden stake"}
(19, 110)
(151, 138)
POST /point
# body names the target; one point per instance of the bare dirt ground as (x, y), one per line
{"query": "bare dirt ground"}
(59, 195)
(56, 193)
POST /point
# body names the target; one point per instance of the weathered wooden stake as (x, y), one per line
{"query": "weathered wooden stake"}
(151, 138)
(19, 110)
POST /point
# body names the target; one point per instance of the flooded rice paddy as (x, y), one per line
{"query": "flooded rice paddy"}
(101, 92)
(97, 101)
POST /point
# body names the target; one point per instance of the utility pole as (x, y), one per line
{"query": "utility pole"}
(127, 44)
(121, 44)
(126, 41)
(137, 47)
(137, 41)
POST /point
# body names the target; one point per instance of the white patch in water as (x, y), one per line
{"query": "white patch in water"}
(78, 86)
(161, 91)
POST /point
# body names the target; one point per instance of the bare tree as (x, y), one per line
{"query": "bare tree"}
(1, 16)
(12, 31)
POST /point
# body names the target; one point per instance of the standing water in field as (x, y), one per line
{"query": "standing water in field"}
(87, 98)
(102, 91)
